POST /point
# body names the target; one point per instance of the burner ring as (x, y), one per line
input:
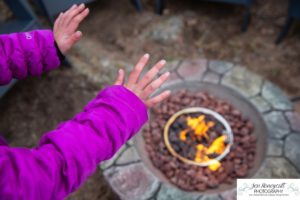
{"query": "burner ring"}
(217, 116)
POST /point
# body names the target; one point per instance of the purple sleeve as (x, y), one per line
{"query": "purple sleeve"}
(28, 53)
(66, 156)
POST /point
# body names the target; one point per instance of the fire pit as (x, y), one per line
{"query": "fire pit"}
(198, 141)
(143, 169)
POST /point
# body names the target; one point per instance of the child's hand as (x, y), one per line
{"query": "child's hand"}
(145, 86)
(65, 27)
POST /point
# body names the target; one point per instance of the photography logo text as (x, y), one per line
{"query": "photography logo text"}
(264, 189)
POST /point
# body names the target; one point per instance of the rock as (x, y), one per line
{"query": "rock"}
(245, 82)
(211, 197)
(108, 163)
(278, 126)
(294, 120)
(193, 70)
(277, 168)
(229, 195)
(168, 31)
(128, 156)
(220, 67)
(276, 97)
(291, 150)
(211, 77)
(172, 193)
(261, 104)
(133, 182)
(275, 147)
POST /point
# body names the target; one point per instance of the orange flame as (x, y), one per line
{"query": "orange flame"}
(200, 129)
(182, 135)
(199, 126)
(218, 146)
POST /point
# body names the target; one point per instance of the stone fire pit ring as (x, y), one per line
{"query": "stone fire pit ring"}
(217, 116)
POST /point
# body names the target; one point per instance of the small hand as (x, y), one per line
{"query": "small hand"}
(65, 27)
(145, 86)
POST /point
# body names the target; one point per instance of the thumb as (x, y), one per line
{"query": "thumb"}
(75, 37)
(120, 78)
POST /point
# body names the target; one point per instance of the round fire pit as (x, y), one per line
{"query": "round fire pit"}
(134, 176)
(233, 113)
(204, 133)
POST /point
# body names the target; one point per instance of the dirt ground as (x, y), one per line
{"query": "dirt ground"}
(210, 30)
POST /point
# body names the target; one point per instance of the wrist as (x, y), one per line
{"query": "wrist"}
(59, 53)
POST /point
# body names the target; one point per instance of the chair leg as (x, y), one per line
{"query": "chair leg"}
(159, 6)
(246, 20)
(284, 30)
(137, 4)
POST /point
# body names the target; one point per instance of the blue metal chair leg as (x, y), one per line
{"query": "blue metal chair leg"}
(246, 20)
(159, 6)
(284, 30)
(137, 4)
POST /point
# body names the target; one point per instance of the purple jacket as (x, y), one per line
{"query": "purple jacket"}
(66, 156)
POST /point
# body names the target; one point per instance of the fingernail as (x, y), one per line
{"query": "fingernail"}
(82, 5)
(74, 5)
(167, 74)
(147, 55)
(163, 62)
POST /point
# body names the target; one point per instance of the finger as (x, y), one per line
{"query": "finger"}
(159, 98)
(76, 36)
(120, 78)
(57, 21)
(74, 12)
(66, 14)
(151, 74)
(155, 85)
(75, 21)
(134, 75)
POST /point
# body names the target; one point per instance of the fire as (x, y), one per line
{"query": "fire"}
(218, 145)
(182, 135)
(200, 128)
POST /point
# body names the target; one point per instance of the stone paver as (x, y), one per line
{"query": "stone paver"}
(275, 167)
(132, 182)
(171, 193)
(275, 97)
(229, 195)
(294, 120)
(108, 163)
(220, 67)
(277, 124)
(292, 151)
(261, 104)
(275, 147)
(128, 156)
(243, 81)
(192, 70)
(210, 197)
(211, 77)
(131, 141)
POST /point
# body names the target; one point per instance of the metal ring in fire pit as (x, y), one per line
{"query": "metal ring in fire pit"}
(217, 116)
